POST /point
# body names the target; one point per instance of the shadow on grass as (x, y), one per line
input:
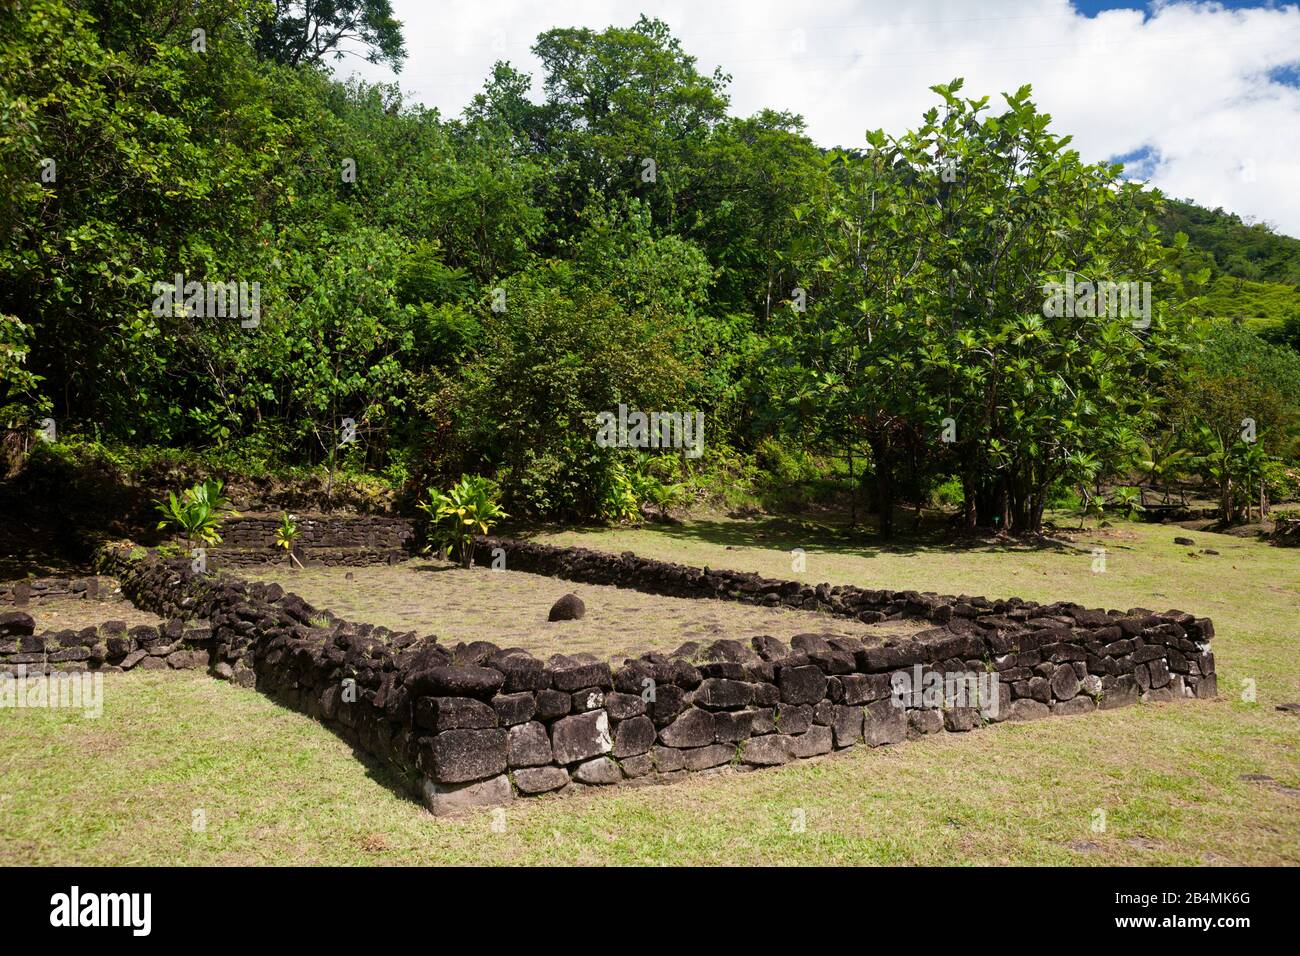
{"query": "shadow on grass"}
(378, 771)
(785, 533)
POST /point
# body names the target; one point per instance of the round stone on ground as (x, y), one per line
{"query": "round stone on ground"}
(567, 608)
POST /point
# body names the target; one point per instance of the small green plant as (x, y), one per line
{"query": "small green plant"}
(286, 536)
(197, 514)
(467, 509)
(631, 487)
(619, 500)
(1127, 499)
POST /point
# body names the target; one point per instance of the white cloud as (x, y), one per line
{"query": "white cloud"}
(1187, 81)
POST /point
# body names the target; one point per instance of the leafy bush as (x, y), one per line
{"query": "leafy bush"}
(1127, 499)
(947, 494)
(197, 513)
(466, 509)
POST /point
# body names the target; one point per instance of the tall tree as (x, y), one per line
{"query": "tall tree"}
(308, 31)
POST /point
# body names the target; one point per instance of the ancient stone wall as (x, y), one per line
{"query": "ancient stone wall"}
(473, 724)
(108, 647)
(333, 540)
(26, 592)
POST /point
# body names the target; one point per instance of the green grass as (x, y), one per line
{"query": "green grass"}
(278, 788)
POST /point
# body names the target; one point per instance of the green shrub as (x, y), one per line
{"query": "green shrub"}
(197, 513)
(457, 515)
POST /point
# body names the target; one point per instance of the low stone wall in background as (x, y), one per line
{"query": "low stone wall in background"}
(108, 647)
(476, 724)
(378, 532)
(34, 591)
(1286, 532)
(330, 540)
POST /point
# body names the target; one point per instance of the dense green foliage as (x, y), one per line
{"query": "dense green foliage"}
(389, 290)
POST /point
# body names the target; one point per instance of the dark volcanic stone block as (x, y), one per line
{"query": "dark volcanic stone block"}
(528, 745)
(767, 751)
(453, 713)
(847, 726)
(459, 756)
(814, 741)
(514, 708)
(669, 701)
(522, 673)
(624, 706)
(718, 693)
(581, 737)
(925, 721)
(446, 681)
(865, 688)
(589, 698)
(552, 704)
(16, 624)
(801, 685)
(1118, 692)
(598, 772)
(960, 720)
(794, 719)
(567, 608)
(531, 780)
(884, 723)
(702, 758)
(1065, 682)
(731, 727)
(667, 759)
(576, 675)
(632, 737)
(694, 728)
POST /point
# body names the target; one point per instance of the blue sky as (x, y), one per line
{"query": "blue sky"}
(1201, 99)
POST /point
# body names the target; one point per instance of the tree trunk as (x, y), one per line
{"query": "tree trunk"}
(968, 503)
(884, 501)
(853, 493)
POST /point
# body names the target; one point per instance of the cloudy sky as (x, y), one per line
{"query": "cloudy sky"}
(1201, 99)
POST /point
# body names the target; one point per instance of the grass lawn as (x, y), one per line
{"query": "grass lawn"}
(274, 787)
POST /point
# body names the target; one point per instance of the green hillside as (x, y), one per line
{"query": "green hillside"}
(1259, 305)
(1252, 252)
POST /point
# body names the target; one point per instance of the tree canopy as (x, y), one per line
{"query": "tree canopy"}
(470, 292)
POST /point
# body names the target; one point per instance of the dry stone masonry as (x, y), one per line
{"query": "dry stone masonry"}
(35, 591)
(470, 724)
(108, 647)
(331, 540)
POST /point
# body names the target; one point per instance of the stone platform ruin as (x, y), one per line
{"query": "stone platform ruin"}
(471, 724)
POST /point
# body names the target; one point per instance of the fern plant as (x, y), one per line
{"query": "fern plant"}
(1128, 499)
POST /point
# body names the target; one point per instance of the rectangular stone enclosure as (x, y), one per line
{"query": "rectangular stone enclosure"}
(469, 724)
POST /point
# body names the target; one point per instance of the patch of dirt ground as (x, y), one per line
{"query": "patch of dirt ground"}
(509, 608)
(62, 614)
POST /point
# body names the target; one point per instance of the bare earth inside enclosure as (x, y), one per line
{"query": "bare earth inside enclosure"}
(74, 614)
(509, 608)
